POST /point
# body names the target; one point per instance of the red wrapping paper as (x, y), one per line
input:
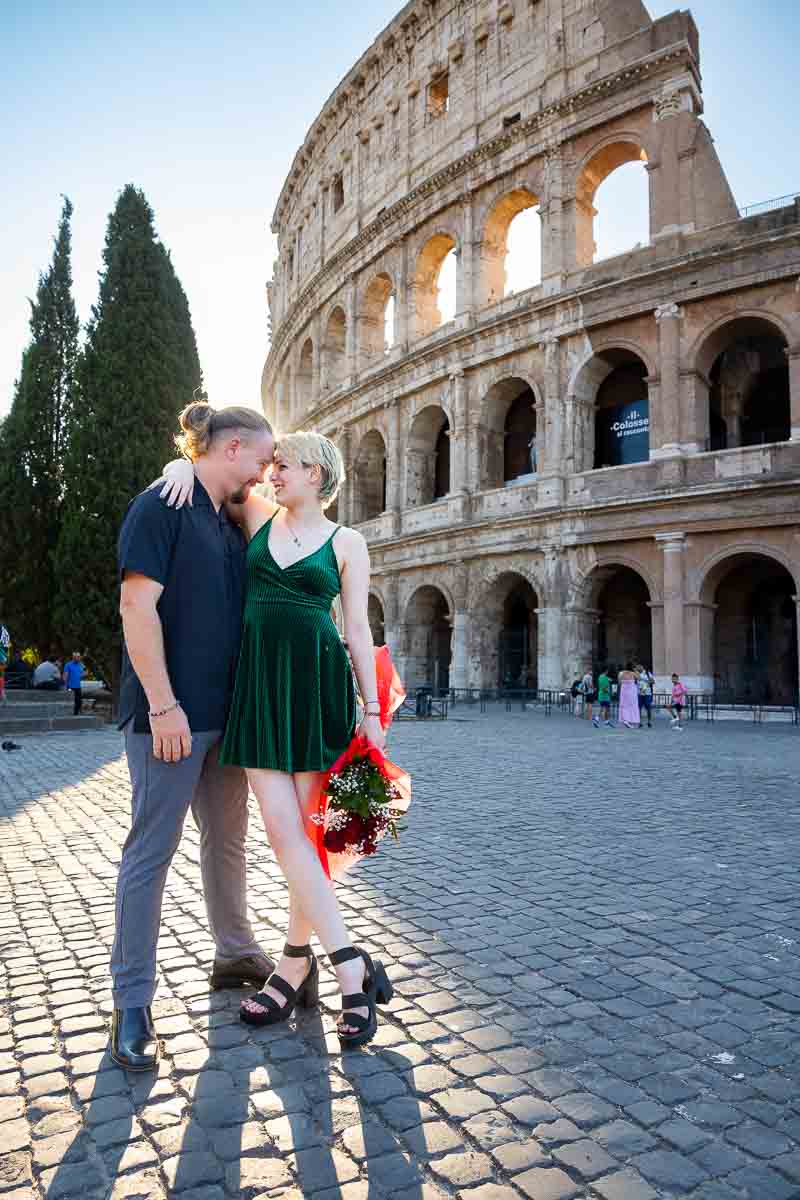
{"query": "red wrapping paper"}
(391, 695)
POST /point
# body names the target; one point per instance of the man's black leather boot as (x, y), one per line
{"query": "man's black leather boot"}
(134, 1044)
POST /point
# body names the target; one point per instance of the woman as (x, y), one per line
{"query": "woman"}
(294, 709)
(629, 696)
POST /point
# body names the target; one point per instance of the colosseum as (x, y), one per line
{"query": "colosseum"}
(601, 462)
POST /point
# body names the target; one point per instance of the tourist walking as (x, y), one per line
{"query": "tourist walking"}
(182, 586)
(646, 683)
(294, 709)
(628, 681)
(678, 702)
(74, 672)
(589, 694)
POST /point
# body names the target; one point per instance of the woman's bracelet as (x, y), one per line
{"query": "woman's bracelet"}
(162, 712)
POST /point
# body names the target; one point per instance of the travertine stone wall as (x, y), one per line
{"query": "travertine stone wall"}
(458, 117)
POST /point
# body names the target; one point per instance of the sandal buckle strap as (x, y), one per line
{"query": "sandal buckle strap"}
(297, 951)
(280, 985)
(355, 1000)
(344, 955)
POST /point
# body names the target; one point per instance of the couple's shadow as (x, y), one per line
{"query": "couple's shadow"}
(259, 1110)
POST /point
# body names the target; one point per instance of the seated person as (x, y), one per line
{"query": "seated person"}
(47, 676)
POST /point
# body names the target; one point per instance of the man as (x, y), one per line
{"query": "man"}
(5, 643)
(589, 694)
(47, 676)
(604, 697)
(73, 674)
(182, 574)
(647, 684)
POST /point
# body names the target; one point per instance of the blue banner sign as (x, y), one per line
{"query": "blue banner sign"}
(623, 435)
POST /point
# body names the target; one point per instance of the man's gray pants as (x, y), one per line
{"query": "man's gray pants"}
(162, 795)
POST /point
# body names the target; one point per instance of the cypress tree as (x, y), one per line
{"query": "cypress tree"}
(139, 367)
(32, 447)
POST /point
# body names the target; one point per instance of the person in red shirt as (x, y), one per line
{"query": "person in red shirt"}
(678, 702)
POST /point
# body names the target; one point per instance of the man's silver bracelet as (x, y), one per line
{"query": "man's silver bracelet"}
(162, 712)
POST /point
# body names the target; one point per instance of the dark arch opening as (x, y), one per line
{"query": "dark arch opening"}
(624, 629)
(622, 416)
(755, 633)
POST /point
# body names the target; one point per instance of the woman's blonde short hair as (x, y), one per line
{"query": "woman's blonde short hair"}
(310, 449)
(200, 424)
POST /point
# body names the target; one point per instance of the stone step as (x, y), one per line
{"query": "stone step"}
(37, 696)
(40, 712)
(13, 726)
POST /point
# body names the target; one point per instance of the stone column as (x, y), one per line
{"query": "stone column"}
(794, 393)
(468, 262)
(351, 337)
(346, 508)
(394, 465)
(665, 430)
(391, 614)
(550, 667)
(555, 253)
(404, 298)
(671, 192)
(458, 433)
(673, 546)
(459, 661)
(550, 433)
(659, 664)
(699, 659)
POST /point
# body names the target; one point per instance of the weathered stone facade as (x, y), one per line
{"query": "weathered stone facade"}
(505, 548)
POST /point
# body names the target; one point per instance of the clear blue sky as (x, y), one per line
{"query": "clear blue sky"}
(203, 105)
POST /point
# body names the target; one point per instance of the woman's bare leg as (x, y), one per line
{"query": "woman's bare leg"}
(284, 801)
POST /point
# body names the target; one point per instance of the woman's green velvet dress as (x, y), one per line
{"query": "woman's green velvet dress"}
(293, 705)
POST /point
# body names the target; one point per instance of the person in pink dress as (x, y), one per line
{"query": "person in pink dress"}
(629, 697)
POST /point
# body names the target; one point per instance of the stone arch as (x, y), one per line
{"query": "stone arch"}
(374, 341)
(742, 372)
(427, 638)
(428, 456)
(605, 157)
(430, 261)
(509, 435)
(334, 348)
(749, 625)
(376, 615)
(504, 649)
(369, 477)
(495, 244)
(609, 410)
(304, 378)
(612, 615)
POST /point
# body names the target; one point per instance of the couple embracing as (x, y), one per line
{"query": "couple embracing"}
(234, 673)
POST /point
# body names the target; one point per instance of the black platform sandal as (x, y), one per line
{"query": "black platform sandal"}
(306, 996)
(378, 989)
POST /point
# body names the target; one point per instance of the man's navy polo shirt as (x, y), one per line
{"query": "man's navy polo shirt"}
(198, 555)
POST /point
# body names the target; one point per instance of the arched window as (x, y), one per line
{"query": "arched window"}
(510, 448)
(749, 401)
(335, 349)
(436, 284)
(428, 457)
(622, 416)
(369, 478)
(377, 319)
(305, 378)
(612, 203)
(511, 252)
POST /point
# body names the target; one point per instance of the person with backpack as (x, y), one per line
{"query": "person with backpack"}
(589, 694)
(647, 685)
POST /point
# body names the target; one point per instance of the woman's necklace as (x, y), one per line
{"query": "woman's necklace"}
(292, 533)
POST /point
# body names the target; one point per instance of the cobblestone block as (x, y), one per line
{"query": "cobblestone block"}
(320, 1167)
(546, 1183)
(586, 1110)
(530, 1110)
(463, 1103)
(585, 1158)
(74, 1179)
(520, 1156)
(192, 1169)
(464, 1169)
(669, 1170)
(624, 1185)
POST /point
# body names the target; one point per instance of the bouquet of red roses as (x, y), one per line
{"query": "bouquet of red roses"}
(363, 794)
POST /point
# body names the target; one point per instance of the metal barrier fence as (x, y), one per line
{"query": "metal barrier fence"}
(707, 705)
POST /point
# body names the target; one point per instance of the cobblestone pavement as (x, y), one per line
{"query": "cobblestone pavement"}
(593, 937)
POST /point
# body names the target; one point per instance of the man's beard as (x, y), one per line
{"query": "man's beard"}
(240, 495)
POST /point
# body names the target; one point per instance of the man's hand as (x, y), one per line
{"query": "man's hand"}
(172, 737)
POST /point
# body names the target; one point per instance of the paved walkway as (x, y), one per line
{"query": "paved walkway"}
(593, 936)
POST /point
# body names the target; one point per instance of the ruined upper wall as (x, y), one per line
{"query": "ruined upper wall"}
(379, 135)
